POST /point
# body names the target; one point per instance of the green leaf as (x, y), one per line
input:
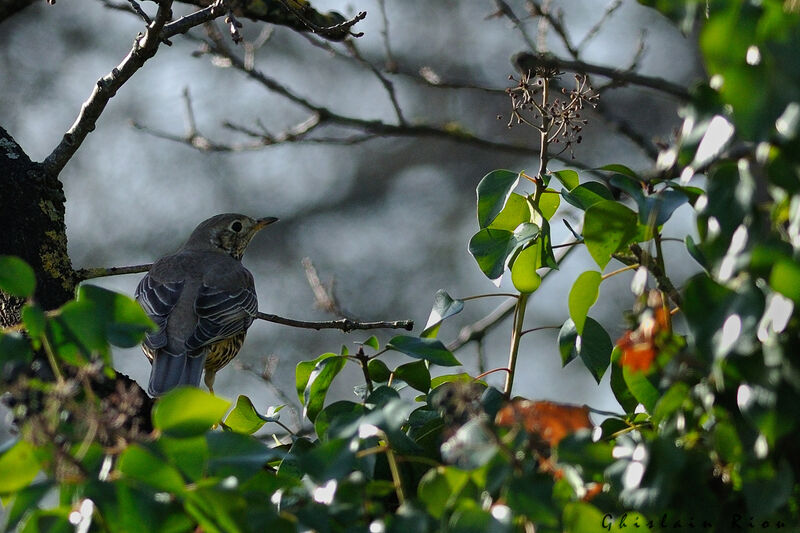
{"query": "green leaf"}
(319, 380)
(378, 371)
(24, 500)
(14, 347)
(373, 343)
(139, 463)
(620, 169)
(431, 350)
(579, 517)
(189, 454)
(335, 417)
(548, 204)
(567, 336)
(188, 411)
(583, 296)
(493, 191)
(785, 279)
(18, 466)
(516, 211)
(124, 320)
(444, 306)
(523, 270)
(244, 418)
(618, 385)
(16, 277)
(587, 194)
(493, 248)
(236, 454)
(607, 227)
(34, 320)
(440, 487)
(641, 388)
(462, 377)
(594, 346)
(416, 374)
(568, 178)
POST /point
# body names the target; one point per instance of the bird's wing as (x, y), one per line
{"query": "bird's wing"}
(157, 299)
(222, 313)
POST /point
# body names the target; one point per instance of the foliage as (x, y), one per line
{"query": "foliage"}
(706, 436)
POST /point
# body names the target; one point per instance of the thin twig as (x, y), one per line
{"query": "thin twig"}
(328, 31)
(609, 10)
(144, 48)
(527, 62)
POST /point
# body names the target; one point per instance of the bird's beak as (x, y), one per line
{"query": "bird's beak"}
(266, 221)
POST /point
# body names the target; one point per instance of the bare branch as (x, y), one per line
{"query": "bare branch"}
(528, 62)
(504, 10)
(344, 324)
(609, 10)
(390, 64)
(101, 272)
(144, 47)
(337, 30)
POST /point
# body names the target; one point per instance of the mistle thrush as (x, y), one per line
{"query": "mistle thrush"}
(203, 300)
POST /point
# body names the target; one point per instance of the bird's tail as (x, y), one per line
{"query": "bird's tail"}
(171, 370)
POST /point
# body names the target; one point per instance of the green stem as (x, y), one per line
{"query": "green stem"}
(51, 357)
(516, 335)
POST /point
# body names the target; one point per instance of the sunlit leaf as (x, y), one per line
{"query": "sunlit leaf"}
(582, 297)
(139, 463)
(587, 194)
(568, 178)
(493, 191)
(244, 418)
(188, 411)
(444, 306)
(608, 226)
(18, 466)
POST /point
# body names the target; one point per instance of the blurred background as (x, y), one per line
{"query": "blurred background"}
(385, 221)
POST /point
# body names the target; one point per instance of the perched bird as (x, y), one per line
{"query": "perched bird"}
(203, 300)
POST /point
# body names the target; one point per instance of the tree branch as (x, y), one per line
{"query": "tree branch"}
(525, 62)
(144, 48)
(344, 324)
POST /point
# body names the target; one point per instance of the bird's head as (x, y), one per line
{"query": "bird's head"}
(229, 232)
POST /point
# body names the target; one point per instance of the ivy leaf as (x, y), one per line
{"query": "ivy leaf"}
(431, 350)
(444, 306)
(587, 194)
(16, 277)
(493, 192)
(516, 211)
(583, 296)
(416, 374)
(188, 411)
(568, 178)
(18, 467)
(607, 227)
(620, 169)
(494, 248)
(594, 346)
(244, 418)
(314, 378)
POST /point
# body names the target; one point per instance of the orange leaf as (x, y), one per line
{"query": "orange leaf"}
(550, 421)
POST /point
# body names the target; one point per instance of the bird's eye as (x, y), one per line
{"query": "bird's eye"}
(236, 226)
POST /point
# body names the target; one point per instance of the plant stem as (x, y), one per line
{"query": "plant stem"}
(477, 296)
(51, 357)
(619, 271)
(516, 335)
(363, 361)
